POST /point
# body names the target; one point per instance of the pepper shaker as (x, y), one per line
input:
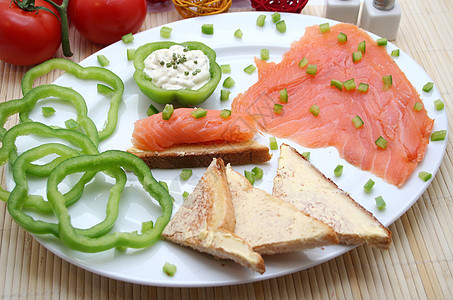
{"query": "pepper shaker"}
(342, 10)
(381, 17)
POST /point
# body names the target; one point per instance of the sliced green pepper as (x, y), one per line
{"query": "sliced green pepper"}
(182, 96)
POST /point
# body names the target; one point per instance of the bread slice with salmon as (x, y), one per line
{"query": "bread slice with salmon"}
(301, 184)
(206, 222)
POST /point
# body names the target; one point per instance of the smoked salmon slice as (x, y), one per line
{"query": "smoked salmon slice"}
(385, 111)
(156, 134)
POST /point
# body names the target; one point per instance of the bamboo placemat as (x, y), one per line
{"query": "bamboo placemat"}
(418, 265)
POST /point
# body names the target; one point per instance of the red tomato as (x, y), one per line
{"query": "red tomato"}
(106, 21)
(28, 37)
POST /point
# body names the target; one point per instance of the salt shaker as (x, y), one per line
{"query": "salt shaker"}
(381, 17)
(342, 10)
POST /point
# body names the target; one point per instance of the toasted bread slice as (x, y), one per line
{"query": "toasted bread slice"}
(201, 155)
(300, 183)
(206, 221)
(271, 225)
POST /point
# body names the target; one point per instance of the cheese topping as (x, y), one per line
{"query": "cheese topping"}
(178, 68)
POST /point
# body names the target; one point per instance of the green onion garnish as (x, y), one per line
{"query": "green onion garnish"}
(337, 83)
(428, 87)
(225, 113)
(130, 54)
(387, 80)
(356, 56)
(395, 53)
(303, 62)
(258, 172)
(103, 61)
(381, 142)
(418, 106)
(382, 42)
(250, 177)
(128, 38)
(250, 69)
(152, 110)
(362, 47)
(349, 85)
(342, 38)
(225, 68)
(165, 32)
(438, 104)
(314, 109)
(325, 27)
(185, 195)
(284, 96)
(306, 155)
(276, 17)
(425, 176)
(357, 121)
(169, 269)
(167, 112)
(264, 53)
(207, 28)
(71, 124)
(47, 111)
(338, 170)
(224, 95)
(104, 90)
(185, 174)
(228, 83)
(380, 203)
(363, 87)
(438, 135)
(273, 143)
(260, 20)
(281, 26)
(368, 185)
(278, 108)
(312, 69)
(238, 33)
(199, 113)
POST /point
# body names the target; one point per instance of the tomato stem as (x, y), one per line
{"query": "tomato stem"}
(63, 12)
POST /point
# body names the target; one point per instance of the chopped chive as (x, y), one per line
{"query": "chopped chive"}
(185, 195)
(438, 135)
(250, 69)
(306, 155)
(199, 113)
(438, 104)
(152, 110)
(312, 69)
(428, 87)
(128, 38)
(395, 53)
(264, 53)
(342, 38)
(102, 60)
(284, 96)
(356, 56)
(387, 80)
(314, 109)
(185, 174)
(349, 85)
(276, 17)
(337, 83)
(325, 27)
(169, 269)
(380, 203)
(104, 90)
(381, 142)
(260, 20)
(281, 26)
(225, 113)
(238, 33)
(130, 54)
(224, 95)
(362, 47)
(165, 32)
(207, 28)
(418, 106)
(303, 62)
(368, 185)
(228, 83)
(363, 87)
(338, 170)
(273, 143)
(164, 184)
(225, 68)
(71, 124)
(167, 112)
(357, 121)
(382, 42)
(258, 172)
(47, 111)
(250, 177)
(146, 226)
(425, 176)
(278, 108)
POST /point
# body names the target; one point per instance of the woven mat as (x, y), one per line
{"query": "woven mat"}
(419, 265)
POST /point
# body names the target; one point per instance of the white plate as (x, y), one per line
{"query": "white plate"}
(195, 269)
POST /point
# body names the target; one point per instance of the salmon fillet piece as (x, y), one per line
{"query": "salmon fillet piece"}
(386, 112)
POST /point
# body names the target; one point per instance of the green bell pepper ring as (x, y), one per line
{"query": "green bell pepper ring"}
(26, 104)
(185, 97)
(99, 162)
(94, 73)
